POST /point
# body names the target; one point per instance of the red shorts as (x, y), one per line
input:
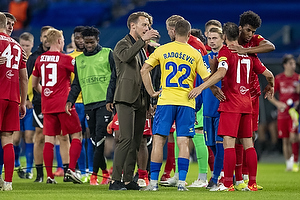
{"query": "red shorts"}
(54, 123)
(9, 116)
(285, 127)
(255, 113)
(147, 129)
(235, 125)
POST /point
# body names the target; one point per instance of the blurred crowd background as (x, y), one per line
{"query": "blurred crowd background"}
(280, 25)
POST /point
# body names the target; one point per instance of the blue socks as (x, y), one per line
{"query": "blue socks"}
(183, 166)
(58, 157)
(154, 170)
(29, 156)
(90, 154)
(17, 150)
(218, 165)
(82, 158)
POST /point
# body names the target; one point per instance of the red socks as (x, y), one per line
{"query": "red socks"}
(251, 157)
(9, 161)
(239, 150)
(295, 150)
(142, 173)
(74, 152)
(48, 158)
(211, 159)
(229, 165)
(245, 166)
(170, 162)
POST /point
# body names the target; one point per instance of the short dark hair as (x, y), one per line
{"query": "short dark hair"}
(26, 36)
(10, 16)
(90, 31)
(78, 29)
(231, 30)
(45, 28)
(198, 33)
(182, 27)
(135, 16)
(251, 18)
(286, 58)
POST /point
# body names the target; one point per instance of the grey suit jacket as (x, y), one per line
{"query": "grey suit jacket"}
(128, 64)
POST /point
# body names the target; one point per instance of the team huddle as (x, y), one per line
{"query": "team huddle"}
(184, 91)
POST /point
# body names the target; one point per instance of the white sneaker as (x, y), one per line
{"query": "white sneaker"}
(7, 186)
(150, 187)
(182, 188)
(141, 182)
(73, 176)
(171, 182)
(199, 183)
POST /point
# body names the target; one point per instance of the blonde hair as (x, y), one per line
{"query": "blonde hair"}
(216, 30)
(53, 35)
(3, 21)
(171, 21)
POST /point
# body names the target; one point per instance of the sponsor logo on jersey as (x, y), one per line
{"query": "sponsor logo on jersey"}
(47, 92)
(243, 90)
(9, 74)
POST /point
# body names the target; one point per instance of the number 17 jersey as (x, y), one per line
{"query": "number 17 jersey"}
(55, 69)
(179, 63)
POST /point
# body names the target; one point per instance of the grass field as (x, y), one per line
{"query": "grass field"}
(277, 184)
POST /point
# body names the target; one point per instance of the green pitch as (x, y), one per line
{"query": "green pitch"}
(277, 184)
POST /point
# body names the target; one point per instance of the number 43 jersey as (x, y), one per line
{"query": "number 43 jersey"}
(9, 71)
(54, 69)
(179, 63)
(236, 83)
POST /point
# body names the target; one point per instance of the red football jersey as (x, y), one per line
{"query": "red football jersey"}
(197, 44)
(286, 87)
(55, 69)
(9, 71)
(254, 85)
(236, 83)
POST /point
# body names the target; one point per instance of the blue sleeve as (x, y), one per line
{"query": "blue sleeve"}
(199, 98)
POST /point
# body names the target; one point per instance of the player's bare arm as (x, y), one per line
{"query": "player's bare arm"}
(23, 89)
(68, 107)
(36, 84)
(264, 46)
(269, 89)
(208, 82)
(145, 73)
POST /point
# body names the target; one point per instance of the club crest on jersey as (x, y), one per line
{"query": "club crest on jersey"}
(47, 92)
(243, 90)
(9, 74)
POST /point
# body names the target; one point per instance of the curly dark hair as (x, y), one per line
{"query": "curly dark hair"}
(90, 31)
(78, 29)
(251, 18)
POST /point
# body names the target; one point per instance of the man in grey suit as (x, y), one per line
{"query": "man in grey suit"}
(131, 99)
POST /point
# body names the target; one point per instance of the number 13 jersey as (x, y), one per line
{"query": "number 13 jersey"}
(236, 83)
(54, 69)
(179, 63)
(9, 71)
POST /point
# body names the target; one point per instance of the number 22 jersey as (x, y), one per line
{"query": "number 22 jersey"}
(179, 63)
(9, 71)
(55, 69)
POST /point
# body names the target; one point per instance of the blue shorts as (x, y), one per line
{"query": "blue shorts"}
(183, 116)
(26, 122)
(210, 127)
(81, 114)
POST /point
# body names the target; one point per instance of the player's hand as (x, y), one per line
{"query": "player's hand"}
(156, 94)
(195, 92)
(281, 106)
(150, 34)
(28, 104)
(269, 92)
(150, 112)
(213, 63)
(153, 44)
(237, 49)
(110, 107)
(218, 93)
(68, 108)
(22, 111)
(2, 60)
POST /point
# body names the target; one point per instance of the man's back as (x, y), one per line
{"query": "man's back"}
(179, 63)
(55, 69)
(9, 71)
